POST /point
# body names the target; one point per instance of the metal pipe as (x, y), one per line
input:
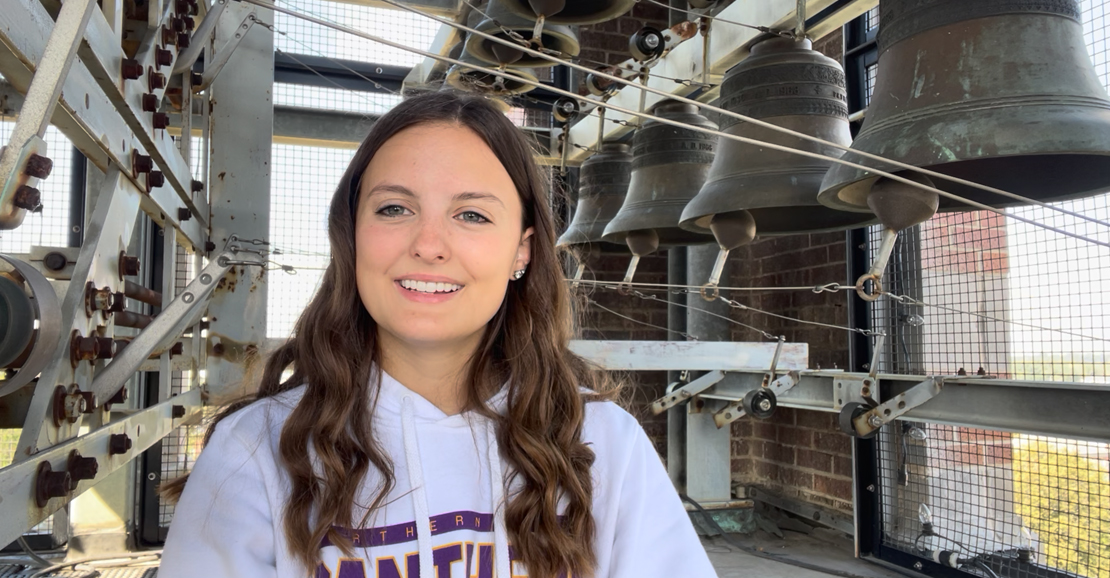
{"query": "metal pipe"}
(132, 319)
(139, 293)
(186, 59)
(676, 323)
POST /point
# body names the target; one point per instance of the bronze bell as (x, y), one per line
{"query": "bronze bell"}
(570, 11)
(602, 185)
(553, 37)
(669, 165)
(787, 84)
(471, 80)
(1000, 93)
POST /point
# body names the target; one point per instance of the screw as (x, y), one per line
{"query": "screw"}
(150, 102)
(38, 166)
(765, 405)
(140, 163)
(184, 214)
(918, 566)
(178, 411)
(131, 69)
(157, 80)
(54, 261)
(128, 265)
(118, 444)
(651, 41)
(160, 120)
(28, 198)
(162, 56)
(155, 179)
(871, 487)
(81, 468)
(197, 186)
(50, 484)
(875, 421)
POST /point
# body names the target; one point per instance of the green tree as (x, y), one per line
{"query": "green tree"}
(1065, 498)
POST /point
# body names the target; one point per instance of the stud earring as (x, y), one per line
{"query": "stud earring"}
(518, 274)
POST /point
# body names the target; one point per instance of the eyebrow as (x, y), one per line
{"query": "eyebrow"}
(464, 196)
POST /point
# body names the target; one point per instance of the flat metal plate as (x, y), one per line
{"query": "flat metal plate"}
(690, 355)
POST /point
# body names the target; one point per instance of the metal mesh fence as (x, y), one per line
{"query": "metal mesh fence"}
(302, 37)
(1019, 302)
(51, 226)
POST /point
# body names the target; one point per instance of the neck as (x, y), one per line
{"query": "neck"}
(436, 372)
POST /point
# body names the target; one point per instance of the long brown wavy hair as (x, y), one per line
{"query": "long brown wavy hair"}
(525, 343)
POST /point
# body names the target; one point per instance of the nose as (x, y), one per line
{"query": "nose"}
(429, 243)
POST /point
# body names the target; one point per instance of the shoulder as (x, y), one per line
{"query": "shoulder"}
(609, 427)
(261, 420)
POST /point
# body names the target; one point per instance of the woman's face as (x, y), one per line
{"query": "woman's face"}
(438, 235)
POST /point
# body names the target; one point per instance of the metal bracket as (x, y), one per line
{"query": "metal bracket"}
(853, 388)
(737, 409)
(211, 71)
(687, 392)
(865, 423)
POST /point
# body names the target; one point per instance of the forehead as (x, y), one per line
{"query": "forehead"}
(439, 158)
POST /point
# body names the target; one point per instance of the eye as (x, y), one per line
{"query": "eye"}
(473, 217)
(392, 211)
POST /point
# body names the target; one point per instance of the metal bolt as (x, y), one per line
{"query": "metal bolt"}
(184, 214)
(118, 444)
(119, 397)
(197, 186)
(150, 102)
(155, 179)
(177, 24)
(74, 406)
(183, 40)
(162, 56)
(140, 163)
(128, 265)
(38, 166)
(54, 261)
(90, 401)
(209, 246)
(81, 468)
(765, 405)
(82, 348)
(50, 484)
(918, 566)
(168, 36)
(105, 347)
(189, 23)
(28, 198)
(651, 41)
(178, 411)
(875, 421)
(160, 120)
(196, 79)
(119, 303)
(156, 80)
(130, 69)
(961, 371)
(97, 299)
(871, 487)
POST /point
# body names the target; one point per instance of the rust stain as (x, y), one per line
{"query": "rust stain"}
(232, 350)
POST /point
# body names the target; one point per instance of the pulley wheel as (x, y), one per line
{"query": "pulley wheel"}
(760, 403)
(17, 321)
(848, 414)
(646, 43)
(565, 109)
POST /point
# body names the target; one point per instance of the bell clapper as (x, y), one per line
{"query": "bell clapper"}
(643, 242)
(710, 290)
(644, 73)
(732, 230)
(564, 144)
(875, 274)
(578, 275)
(537, 33)
(899, 207)
(704, 25)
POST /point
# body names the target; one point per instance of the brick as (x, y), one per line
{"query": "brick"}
(775, 452)
(603, 41)
(741, 448)
(765, 431)
(797, 478)
(833, 487)
(766, 470)
(741, 466)
(794, 436)
(814, 460)
(833, 443)
(816, 420)
(842, 466)
(741, 428)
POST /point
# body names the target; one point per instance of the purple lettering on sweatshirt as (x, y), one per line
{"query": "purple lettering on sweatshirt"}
(406, 532)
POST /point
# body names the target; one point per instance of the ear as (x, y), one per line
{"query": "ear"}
(524, 250)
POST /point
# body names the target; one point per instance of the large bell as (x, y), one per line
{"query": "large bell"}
(471, 80)
(553, 37)
(602, 184)
(669, 165)
(1000, 93)
(787, 84)
(570, 11)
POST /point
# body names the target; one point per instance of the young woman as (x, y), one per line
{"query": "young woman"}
(435, 423)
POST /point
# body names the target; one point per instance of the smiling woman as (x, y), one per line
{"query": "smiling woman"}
(438, 338)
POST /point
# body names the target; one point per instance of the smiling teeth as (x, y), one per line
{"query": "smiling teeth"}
(427, 287)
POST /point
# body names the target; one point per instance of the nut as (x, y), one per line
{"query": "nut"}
(140, 163)
(83, 348)
(168, 36)
(156, 80)
(150, 102)
(128, 265)
(130, 69)
(196, 79)
(183, 40)
(178, 411)
(155, 179)
(38, 166)
(160, 120)
(105, 347)
(50, 484)
(118, 444)
(184, 214)
(55, 261)
(162, 56)
(28, 198)
(81, 468)
(197, 186)
(97, 299)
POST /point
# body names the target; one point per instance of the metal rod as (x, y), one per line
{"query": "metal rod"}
(131, 319)
(140, 293)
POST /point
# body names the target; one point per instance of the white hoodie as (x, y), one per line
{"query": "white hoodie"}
(445, 515)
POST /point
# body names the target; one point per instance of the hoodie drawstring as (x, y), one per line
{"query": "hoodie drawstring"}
(419, 496)
(501, 560)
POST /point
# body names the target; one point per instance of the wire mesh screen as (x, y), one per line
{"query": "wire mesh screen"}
(51, 226)
(317, 97)
(302, 37)
(1096, 31)
(1020, 505)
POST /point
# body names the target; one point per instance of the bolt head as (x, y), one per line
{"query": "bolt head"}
(918, 566)
(874, 421)
(28, 198)
(651, 41)
(765, 405)
(160, 120)
(155, 179)
(38, 166)
(54, 261)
